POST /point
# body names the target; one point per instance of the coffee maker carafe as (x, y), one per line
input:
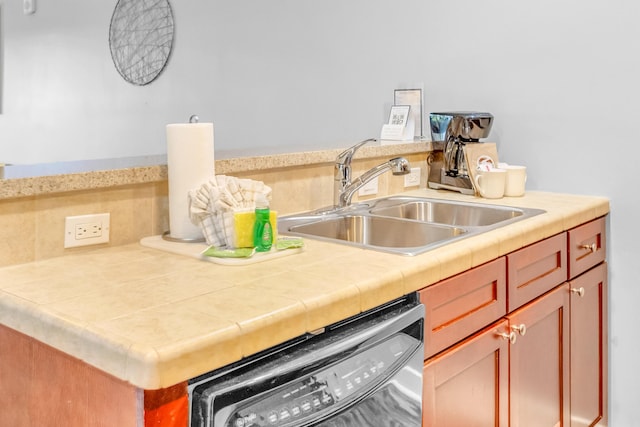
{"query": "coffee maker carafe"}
(450, 133)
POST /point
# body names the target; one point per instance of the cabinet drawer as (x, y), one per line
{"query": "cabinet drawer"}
(459, 306)
(587, 246)
(536, 269)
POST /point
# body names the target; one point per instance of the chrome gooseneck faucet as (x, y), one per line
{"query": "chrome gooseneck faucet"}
(344, 188)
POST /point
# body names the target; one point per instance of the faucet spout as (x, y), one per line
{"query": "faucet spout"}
(397, 166)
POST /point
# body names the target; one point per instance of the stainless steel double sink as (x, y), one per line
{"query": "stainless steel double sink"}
(403, 225)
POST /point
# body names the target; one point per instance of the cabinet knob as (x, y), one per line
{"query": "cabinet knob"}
(511, 336)
(579, 291)
(591, 248)
(521, 329)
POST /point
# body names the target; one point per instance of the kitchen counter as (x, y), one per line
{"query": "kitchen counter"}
(155, 319)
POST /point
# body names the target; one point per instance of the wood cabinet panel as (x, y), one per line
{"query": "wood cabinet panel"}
(457, 307)
(589, 348)
(587, 246)
(468, 384)
(58, 389)
(15, 377)
(539, 362)
(41, 386)
(536, 269)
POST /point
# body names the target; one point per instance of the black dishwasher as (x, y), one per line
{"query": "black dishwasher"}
(364, 371)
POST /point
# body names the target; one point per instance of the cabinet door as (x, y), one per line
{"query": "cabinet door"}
(589, 348)
(467, 385)
(539, 362)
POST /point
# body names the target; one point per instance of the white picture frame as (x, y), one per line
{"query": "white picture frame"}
(413, 98)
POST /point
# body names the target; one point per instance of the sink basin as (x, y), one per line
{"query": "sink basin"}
(443, 212)
(378, 231)
(402, 224)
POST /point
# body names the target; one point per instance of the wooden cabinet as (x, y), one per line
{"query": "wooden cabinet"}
(41, 386)
(588, 283)
(457, 307)
(536, 269)
(589, 348)
(468, 385)
(515, 372)
(541, 362)
(587, 246)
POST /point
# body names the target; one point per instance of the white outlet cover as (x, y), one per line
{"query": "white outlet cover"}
(369, 188)
(71, 222)
(413, 178)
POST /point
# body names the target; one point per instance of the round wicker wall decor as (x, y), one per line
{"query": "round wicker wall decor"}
(141, 38)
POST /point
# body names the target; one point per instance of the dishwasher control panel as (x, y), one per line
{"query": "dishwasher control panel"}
(310, 396)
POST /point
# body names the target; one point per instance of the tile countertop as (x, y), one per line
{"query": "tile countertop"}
(155, 319)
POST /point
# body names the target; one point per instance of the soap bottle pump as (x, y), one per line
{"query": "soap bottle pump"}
(262, 230)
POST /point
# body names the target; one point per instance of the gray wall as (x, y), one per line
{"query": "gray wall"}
(271, 76)
(560, 78)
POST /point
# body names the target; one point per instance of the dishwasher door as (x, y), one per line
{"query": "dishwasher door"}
(365, 371)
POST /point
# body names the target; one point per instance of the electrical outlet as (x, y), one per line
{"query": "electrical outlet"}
(84, 230)
(412, 179)
(369, 188)
(88, 230)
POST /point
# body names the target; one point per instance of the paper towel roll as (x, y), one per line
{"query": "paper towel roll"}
(190, 163)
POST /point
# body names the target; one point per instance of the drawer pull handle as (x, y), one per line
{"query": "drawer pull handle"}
(510, 336)
(591, 248)
(579, 291)
(521, 329)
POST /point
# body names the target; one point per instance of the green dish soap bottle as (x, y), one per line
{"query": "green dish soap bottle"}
(262, 230)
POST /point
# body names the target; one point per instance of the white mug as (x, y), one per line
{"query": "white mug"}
(491, 183)
(516, 179)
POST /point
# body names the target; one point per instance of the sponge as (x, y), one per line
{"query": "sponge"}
(243, 227)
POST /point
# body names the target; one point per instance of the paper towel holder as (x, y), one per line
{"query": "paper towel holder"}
(193, 119)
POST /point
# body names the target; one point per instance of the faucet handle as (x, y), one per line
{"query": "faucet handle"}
(347, 155)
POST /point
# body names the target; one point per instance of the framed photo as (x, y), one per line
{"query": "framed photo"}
(399, 115)
(413, 98)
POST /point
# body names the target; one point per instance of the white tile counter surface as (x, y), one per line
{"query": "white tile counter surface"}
(155, 319)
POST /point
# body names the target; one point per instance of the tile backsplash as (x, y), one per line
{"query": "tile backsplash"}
(32, 228)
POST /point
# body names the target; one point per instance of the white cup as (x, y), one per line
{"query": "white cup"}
(516, 179)
(491, 183)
